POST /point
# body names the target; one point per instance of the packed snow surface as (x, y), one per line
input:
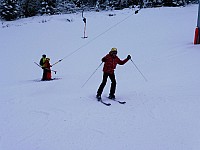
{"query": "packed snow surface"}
(162, 113)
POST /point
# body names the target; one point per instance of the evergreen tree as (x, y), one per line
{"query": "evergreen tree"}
(9, 10)
(48, 7)
(30, 7)
(13, 9)
(66, 6)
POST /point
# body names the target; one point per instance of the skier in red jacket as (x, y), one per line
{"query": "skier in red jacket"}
(110, 62)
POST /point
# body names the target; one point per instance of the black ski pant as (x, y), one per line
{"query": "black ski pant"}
(113, 83)
(44, 74)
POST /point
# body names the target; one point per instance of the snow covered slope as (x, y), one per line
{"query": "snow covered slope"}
(160, 114)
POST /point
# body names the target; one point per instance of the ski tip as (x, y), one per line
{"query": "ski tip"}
(107, 104)
(122, 102)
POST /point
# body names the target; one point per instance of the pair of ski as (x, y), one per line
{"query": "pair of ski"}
(108, 104)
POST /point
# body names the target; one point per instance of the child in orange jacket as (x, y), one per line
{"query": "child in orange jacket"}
(47, 70)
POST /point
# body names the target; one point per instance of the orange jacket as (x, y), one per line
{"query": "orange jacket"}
(47, 65)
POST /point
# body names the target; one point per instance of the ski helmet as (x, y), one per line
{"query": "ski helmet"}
(113, 51)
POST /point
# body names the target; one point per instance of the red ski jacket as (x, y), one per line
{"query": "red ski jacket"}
(110, 63)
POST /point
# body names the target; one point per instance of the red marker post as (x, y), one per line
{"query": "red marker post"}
(196, 36)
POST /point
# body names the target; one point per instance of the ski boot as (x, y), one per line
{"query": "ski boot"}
(98, 97)
(111, 96)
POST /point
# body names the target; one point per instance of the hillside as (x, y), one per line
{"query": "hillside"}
(160, 114)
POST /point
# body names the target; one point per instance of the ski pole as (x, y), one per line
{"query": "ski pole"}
(139, 71)
(84, 20)
(45, 68)
(84, 29)
(57, 62)
(91, 75)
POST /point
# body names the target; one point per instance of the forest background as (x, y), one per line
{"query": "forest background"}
(15, 9)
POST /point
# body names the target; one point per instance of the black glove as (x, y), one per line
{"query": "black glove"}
(129, 57)
(103, 59)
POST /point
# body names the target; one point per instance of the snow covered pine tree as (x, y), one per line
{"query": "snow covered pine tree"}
(9, 10)
(48, 7)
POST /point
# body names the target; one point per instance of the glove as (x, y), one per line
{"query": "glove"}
(103, 59)
(129, 57)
